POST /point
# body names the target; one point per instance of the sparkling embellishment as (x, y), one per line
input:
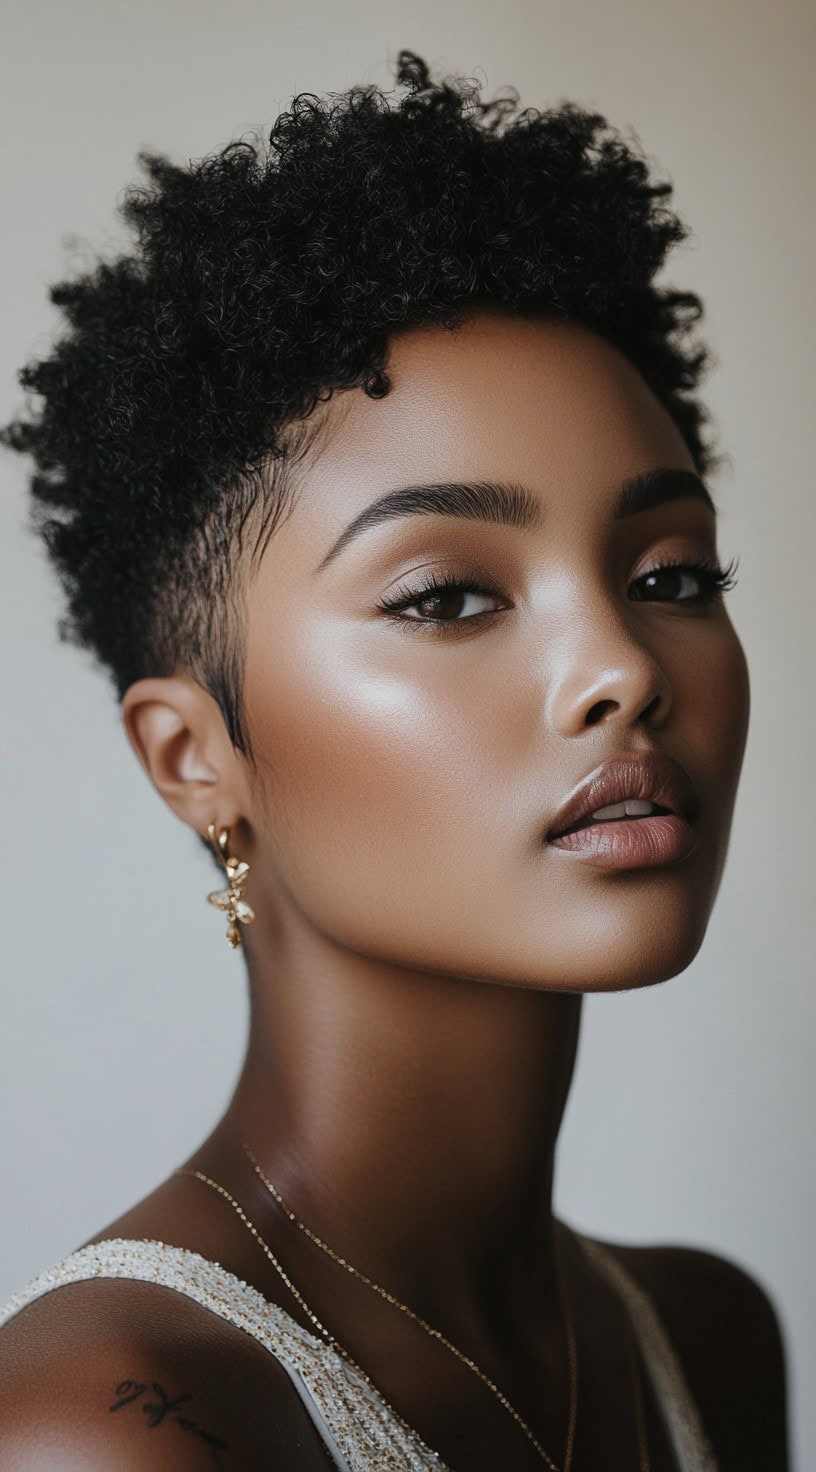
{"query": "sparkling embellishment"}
(690, 1443)
(365, 1429)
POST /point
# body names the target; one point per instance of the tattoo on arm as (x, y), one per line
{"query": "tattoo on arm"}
(160, 1407)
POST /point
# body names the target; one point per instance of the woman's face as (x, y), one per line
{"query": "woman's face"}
(408, 771)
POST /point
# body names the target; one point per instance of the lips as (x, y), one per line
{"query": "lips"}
(651, 776)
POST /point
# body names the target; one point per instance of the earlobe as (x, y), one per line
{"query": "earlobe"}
(176, 731)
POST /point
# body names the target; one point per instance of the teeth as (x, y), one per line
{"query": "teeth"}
(633, 807)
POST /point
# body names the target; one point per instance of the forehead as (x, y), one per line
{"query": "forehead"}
(547, 404)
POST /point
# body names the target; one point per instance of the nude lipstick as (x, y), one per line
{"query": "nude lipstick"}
(635, 812)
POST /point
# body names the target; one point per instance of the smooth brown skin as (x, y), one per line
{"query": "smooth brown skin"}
(420, 953)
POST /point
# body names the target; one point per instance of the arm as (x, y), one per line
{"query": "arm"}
(82, 1416)
(138, 1411)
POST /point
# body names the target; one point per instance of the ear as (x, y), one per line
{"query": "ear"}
(178, 733)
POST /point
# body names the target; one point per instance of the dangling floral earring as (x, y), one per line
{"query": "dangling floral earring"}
(229, 899)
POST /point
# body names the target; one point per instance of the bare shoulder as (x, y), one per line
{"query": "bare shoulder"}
(130, 1376)
(726, 1331)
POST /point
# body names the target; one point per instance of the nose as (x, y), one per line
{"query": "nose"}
(604, 673)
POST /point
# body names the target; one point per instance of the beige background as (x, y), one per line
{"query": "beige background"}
(691, 1118)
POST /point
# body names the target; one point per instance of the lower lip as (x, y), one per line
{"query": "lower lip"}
(631, 843)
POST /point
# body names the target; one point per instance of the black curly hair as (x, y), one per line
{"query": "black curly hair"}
(267, 275)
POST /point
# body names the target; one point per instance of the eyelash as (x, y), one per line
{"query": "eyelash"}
(715, 579)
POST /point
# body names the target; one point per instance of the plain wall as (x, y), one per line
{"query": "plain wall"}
(123, 1010)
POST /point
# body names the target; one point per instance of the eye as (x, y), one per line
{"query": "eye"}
(449, 594)
(669, 582)
(699, 582)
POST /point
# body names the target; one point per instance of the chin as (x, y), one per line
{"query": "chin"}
(644, 965)
(610, 947)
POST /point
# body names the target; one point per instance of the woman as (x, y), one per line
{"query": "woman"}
(375, 477)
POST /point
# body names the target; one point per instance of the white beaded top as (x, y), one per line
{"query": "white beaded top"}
(357, 1426)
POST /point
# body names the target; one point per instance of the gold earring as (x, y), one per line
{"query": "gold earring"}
(229, 899)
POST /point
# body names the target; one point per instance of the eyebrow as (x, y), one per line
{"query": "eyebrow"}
(508, 504)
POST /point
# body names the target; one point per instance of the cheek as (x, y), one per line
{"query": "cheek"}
(722, 729)
(712, 722)
(382, 786)
(715, 695)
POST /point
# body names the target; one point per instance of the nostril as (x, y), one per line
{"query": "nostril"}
(597, 711)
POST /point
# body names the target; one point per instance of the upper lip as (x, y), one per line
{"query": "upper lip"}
(653, 776)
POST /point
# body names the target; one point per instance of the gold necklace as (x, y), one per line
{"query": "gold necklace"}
(336, 1346)
(438, 1335)
(412, 1432)
(434, 1333)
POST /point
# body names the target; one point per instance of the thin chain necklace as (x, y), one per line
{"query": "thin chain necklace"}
(566, 1313)
(566, 1317)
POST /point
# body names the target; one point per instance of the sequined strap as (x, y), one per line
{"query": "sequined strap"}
(356, 1424)
(688, 1439)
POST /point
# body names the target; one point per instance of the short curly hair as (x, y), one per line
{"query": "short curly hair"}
(268, 275)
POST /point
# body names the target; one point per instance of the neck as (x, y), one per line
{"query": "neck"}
(409, 1118)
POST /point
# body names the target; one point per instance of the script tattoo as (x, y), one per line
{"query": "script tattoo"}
(160, 1407)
